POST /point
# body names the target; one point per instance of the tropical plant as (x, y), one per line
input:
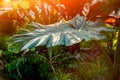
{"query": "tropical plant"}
(38, 11)
(75, 30)
(18, 17)
(67, 33)
(67, 26)
(114, 5)
(62, 33)
(105, 9)
(69, 10)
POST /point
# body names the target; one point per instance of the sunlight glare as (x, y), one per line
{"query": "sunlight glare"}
(7, 1)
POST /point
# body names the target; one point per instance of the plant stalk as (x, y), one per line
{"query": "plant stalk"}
(117, 59)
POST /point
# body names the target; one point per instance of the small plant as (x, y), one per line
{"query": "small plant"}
(60, 75)
(9, 56)
(30, 67)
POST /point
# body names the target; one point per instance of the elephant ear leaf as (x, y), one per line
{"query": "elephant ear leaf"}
(62, 33)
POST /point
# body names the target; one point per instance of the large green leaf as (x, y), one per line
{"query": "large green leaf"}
(62, 33)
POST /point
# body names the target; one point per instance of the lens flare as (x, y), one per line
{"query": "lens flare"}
(7, 0)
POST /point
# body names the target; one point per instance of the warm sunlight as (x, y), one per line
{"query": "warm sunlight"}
(7, 0)
(59, 39)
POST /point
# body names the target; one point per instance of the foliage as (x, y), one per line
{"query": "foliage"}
(113, 4)
(6, 26)
(63, 65)
(55, 58)
(60, 76)
(28, 67)
(110, 43)
(9, 56)
(98, 69)
(80, 66)
(18, 17)
(67, 9)
(40, 12)
(67, 33)
(104, 9)
(62, 33)
(3, 41)
(117, 58)
(1, 52)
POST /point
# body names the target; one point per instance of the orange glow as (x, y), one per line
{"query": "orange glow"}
(110, 20)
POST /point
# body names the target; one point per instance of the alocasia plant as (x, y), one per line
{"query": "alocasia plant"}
(62, 33)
